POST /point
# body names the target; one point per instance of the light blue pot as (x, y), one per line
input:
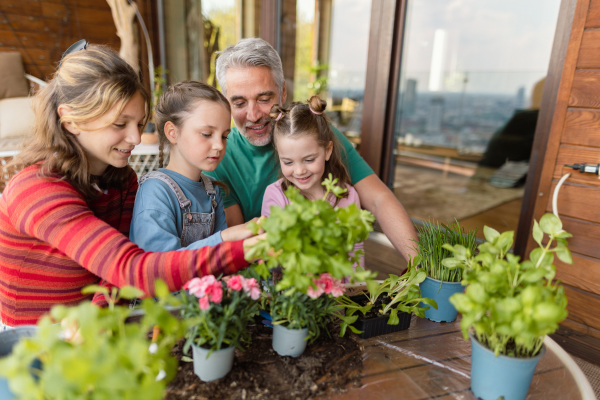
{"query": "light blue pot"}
(440, 292)
(289, 342)
(213, 367)
(8, 339)
(495, 377)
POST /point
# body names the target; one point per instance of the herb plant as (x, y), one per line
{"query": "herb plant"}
(309, 238)
(510, 304)
(219, 310)
(432, 237)
(388, 297)
(87, 352)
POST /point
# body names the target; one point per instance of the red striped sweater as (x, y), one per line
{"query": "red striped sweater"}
(53, 243)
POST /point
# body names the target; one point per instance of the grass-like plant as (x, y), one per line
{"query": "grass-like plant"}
(432, 237)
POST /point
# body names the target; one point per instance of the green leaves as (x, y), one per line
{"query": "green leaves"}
(512, 305)
(308, 238)
(390, 296)
(437, 242)
(88, 352)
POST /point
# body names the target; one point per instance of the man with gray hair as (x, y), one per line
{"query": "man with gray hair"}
(251, 77)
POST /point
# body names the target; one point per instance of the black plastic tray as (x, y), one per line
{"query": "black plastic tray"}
(378, 326)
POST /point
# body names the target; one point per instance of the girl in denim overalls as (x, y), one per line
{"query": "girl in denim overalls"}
(178, 207)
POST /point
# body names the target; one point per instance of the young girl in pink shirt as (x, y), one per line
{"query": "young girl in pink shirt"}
(308, 152)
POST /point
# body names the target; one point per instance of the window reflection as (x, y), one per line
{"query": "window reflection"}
(331, 58)
(469, 92)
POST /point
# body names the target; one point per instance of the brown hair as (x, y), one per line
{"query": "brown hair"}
(310, 119)
(177, 103)
(91, 82)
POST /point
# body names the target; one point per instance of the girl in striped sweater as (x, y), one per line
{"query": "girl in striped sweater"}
(64, 219)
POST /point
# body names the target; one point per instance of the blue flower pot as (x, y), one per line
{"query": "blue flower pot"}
(8, 339)
(289, 342)
(440, 292)
(213, 367)
(495, 377)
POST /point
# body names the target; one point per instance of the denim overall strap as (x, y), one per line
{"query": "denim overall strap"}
(210, 190)
(183, 201)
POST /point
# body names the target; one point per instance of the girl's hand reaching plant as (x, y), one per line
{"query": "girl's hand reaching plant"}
(309, 238)
(242, 231)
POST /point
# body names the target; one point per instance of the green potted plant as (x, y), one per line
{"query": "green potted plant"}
(441, 282)
(218, 311)
(384, 306)
(8, 340)
(509, 306)
(309, 242)
(84, 350)
(298, 317)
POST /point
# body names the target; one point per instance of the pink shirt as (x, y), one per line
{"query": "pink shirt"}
(274, 196)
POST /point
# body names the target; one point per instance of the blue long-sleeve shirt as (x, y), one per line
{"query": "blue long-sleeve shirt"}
(157, 219)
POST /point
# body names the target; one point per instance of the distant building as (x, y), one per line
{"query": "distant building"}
(520, 101)
(435, 115)
(410, 97)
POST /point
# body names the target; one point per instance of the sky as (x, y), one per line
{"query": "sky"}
(499, 44)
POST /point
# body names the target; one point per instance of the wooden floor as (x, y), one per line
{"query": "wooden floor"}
(382, 258)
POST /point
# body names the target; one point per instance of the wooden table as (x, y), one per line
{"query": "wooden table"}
(431, 360)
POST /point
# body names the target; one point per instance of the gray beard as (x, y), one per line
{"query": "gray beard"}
(258, 142)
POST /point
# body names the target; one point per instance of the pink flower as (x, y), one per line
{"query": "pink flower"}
(235, 282)
(314, 292)
(251, 288)
(197, 286)
(215, 292)
(206, 289)
(203, 303)
(326, 284)
(338, 288)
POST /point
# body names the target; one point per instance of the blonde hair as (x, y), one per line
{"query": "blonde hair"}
(309, 119)
(90, 82)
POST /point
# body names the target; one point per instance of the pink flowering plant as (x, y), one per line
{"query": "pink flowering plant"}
(313, 309)
(220, 308)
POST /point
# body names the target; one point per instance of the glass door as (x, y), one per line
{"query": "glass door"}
(472, 76)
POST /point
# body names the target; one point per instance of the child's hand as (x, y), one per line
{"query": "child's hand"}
(239, 232)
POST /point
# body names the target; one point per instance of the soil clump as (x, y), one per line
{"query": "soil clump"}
(331, 364)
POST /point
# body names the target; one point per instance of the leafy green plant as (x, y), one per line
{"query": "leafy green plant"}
(432, 237)
(309, 238)
(219, 310)
(319, 71)
(510, 304)
(159, 81)
(309, 243)
(388, 297)
(87, 352)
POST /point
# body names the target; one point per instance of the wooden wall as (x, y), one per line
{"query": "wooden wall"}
(570, 133)
(42, 30)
